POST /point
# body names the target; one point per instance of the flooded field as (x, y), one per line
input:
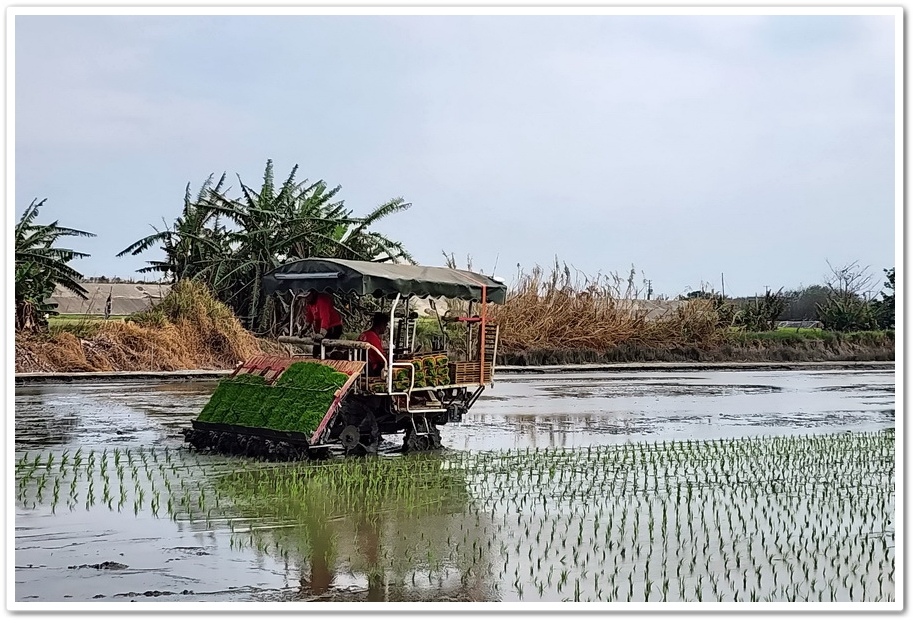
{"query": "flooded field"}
(713, 486)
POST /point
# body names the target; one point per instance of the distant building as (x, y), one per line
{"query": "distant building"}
(130, 298)
(799, 324)
(126, 298)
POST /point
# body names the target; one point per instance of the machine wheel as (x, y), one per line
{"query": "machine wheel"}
(360, 434)
(414, 442)
(349, 438)
(369, 436)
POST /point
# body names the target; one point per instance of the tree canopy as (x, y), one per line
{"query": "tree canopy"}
(41, 265)
(229, 241)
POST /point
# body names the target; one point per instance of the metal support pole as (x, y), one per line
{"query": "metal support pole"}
(292, 313)
(483, 329)
(394, 304)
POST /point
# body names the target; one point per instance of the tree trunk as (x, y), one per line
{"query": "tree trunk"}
(26, 319)
(253, 314)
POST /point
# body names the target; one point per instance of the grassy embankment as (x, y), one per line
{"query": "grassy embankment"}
(547, 319)
(63, 321)
(734, 346)
(555, 318)
(782, 345)
(187, 330)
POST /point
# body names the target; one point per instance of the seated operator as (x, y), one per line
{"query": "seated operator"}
(373, 336)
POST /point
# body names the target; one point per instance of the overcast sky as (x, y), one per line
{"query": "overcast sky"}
(761, 147)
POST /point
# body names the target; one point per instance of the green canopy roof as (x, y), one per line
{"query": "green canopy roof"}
(381, 280)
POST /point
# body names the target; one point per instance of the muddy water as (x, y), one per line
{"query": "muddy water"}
(576, 410)
(523, 410)
(85, 551)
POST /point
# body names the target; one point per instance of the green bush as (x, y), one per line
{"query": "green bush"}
(883, 310)
(847, 312)
(761, 314)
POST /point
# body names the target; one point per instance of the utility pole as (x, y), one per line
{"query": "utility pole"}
(723, 285)
(649, 291)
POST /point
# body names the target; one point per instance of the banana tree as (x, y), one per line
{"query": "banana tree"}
(298, 220)
(370, 245)
(190, 243)
(230, 241)
(40, 266)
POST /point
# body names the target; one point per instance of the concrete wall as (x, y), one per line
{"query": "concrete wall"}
(126, 298)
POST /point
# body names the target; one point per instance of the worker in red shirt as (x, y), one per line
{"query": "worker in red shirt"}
(320, 315)
(374, 336)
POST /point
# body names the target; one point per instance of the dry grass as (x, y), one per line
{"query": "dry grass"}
(563, 310)
(549, 317)
(188, 329)
(561, 317)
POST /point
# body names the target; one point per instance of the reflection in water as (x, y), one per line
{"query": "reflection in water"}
(558, 427)
(48, 432)
(520, 411)
(105, 415)
(415, 528)
(589, 389)
(396, 525)
(660, 521)
(58, 423)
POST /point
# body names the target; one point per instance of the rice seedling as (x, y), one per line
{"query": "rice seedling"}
(742, 520)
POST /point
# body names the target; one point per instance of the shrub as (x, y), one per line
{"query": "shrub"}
(847, 312)
(761, 314)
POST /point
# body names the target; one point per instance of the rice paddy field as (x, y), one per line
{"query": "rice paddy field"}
(602, 487)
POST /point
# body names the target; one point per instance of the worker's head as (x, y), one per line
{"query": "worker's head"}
(379, 321)
(311, 296)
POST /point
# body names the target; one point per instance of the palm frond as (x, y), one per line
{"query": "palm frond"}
(231, 241)
(30, 214)
(267, 187)
(66, 231)
(143, 244)
(388, 208)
